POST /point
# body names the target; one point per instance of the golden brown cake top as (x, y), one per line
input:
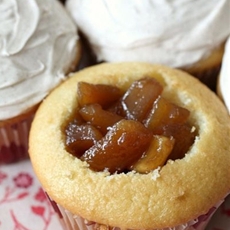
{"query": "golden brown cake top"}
(179, 191)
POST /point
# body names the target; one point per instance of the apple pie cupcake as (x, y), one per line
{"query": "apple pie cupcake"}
(224, 77)
(39, 45)
(132, 146)
(189, 35)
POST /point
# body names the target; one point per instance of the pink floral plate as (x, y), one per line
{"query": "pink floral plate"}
(24, 206)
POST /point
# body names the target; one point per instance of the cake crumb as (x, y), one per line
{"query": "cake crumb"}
(156, 173)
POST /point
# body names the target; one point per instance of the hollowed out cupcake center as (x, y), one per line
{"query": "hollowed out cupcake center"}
(118, 131)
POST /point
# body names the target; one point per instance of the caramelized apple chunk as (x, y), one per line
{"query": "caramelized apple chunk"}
(170, 120)
(80, 138)
(138, 130)
(123, 145)
(98, 117)
(164, 112)
(139, 98)
(156, 155)
(99, 93)
(184, 135)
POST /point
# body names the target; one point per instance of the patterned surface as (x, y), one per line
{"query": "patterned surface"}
(24, 206)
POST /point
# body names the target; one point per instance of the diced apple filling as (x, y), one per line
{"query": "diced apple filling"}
(134, 130)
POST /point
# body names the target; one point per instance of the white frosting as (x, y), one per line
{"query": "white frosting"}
(177, 33)
(37, 46)
(224, 81)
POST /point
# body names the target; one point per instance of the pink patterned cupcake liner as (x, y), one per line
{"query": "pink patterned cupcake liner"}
(70, 221)
(14, 141)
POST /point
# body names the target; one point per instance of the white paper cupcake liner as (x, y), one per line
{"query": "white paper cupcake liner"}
(14, 141)
(74, 222)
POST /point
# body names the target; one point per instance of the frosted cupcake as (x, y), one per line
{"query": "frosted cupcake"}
(182, 34)
(38, 46)
(223, 88)
(89, 190)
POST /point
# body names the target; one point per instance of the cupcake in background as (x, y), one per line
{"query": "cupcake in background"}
(184, 34)
(223, 87)
(39, 45)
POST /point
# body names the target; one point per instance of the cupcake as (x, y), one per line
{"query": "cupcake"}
(188, 35)
(39, 45)
(224, 77)
(105, 185)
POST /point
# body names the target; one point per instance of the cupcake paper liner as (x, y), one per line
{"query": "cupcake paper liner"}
(14, 141)
(70, 221)
(207, 76)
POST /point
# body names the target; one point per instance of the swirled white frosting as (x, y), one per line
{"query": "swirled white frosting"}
(224, 78)
(37, 46)
(177, 33)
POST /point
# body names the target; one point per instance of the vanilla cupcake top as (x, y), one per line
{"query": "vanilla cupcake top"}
(224, 80)
(168, 196)
(174, 33)
(37, 46)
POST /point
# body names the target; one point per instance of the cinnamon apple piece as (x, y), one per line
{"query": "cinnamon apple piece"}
(164, 112)
(156, 155)
(79, 138)
(139, 98)
(123, 145)
(184, 135)
(97, 93)
(98, 117)
(170, 120)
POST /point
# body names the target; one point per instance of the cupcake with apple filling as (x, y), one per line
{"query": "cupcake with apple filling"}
(131, 146)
